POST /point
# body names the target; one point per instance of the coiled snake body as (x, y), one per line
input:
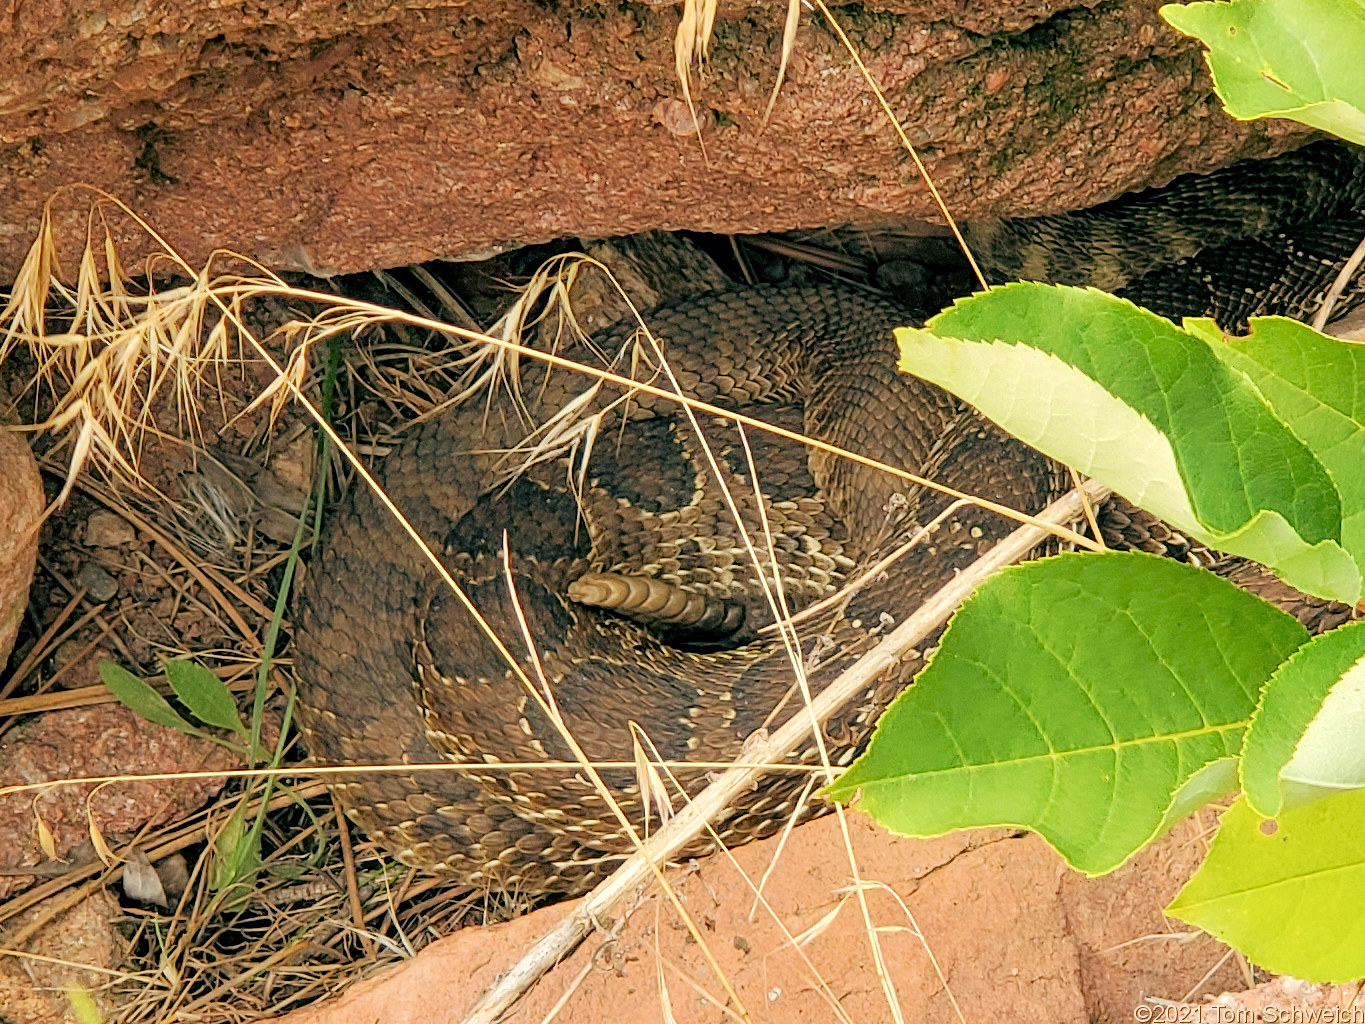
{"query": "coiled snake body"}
(634, 582)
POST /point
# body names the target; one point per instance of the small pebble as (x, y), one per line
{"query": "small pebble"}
(66, 653)
(99, 585)
(677, 118)
(141, 882)
(174, 874)
(108, 530)
(286, 482)
(277, 524)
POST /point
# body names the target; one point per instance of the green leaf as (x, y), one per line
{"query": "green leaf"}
(1070, 698)
(1206, 785)
(83, 1006)
(1313, 385)
(133, 693)
(236, 851)
(207, 696)
(1298, 59)
(1127, 397)
(1287, 895)
(1307, 738)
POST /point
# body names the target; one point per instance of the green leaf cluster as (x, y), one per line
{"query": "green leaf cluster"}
(1243, 445)
(1098, 698)
(211, 705)
(204, 695)
(237, 848)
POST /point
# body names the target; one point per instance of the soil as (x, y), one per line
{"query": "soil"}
(82, 947)
(332, 137)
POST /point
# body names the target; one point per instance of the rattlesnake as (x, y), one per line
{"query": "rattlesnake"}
(679, 665)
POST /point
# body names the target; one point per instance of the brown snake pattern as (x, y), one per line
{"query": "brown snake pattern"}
(635, 582)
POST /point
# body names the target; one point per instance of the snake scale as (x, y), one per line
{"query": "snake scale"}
(634, 580)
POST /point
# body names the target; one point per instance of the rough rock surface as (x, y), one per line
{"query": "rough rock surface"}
(337, 135)
(91, 742)
(21, 509)
(1014, 936)
(78, 947)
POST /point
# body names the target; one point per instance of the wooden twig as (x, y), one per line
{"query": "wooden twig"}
(352, 883)
(1343, 278)
(712, 802)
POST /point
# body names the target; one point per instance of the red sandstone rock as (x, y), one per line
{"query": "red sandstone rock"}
(89, 742)
(329, 136)
(1016, 936)
(21, 510)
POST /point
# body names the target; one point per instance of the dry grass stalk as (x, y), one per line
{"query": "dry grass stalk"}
(789, 27)
(692, 42)
(121, 350)
(690, 45)
(904, 139)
